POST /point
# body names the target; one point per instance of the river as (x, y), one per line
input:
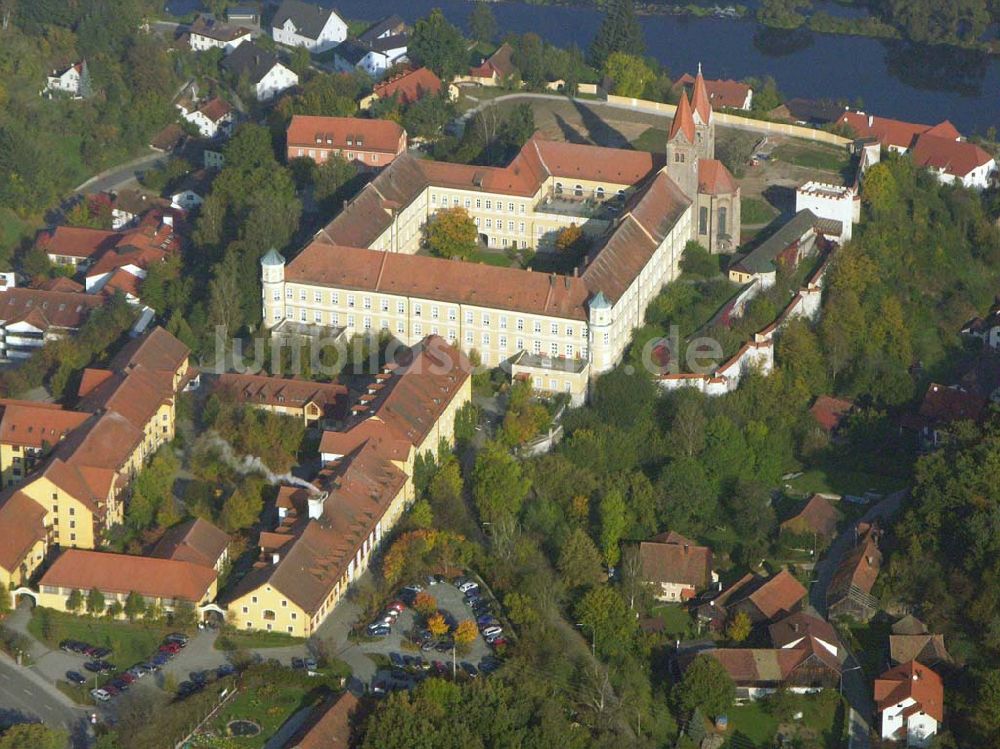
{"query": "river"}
(890, 78)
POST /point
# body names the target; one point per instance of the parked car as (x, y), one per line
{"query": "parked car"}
(492, 631)
(179, 637)
(159, 660)
(444, 646)
(120, 684)
(311, 664)
(111, 689)
(171, 648)
(497, 642)
(396, 606)
(378, 629)
(298, 663)
(100, 653)
(101, 695)
(489, 664)
(396, 660)
(485, 620)
(468, 585)
(428, 646)
(378, 688)
(439, 668)
(226, 669)
(471, 670)
(76, 677)
(431, 580)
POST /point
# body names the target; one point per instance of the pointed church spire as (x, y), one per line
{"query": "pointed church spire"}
(683, 120)
(699, 98)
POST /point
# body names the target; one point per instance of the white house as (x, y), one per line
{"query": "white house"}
(192, 191)
(74, 81)
(910, 702)
(987, 329)
(299, 24)
(382, 45)
(836, 202)
(207, 33)
(955, 161)
(262, 70)
(213, 118)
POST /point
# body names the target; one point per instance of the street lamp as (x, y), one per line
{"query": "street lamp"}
(593, 637)
(842, 672)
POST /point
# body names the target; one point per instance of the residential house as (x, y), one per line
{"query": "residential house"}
(326, 534)
(986, 329)
(369, 144)
(328, 726)
(191, 191)
(909, 699)
(128, 206)
(724, 94)
(29, 430)
(829, 412)
(807, 667)
(207, 33)
(941, 407)
(166, 583)
(762, 599)
(817, 518)
(24, 539)
(74, 81)
(299, 24)
(408, 86)
(849, 593)
(380, 47)
(168, 139)
(261, 69)
(894, 135)
(800, 238)
(312, 402)
(74, 245)
(795, 629)
(30, 317)
(196, 541)
(910, 640)
(676, 567)
(495, 69)
(814, 112)
(214, 118)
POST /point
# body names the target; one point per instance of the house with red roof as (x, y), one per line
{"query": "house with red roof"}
(724, 94)
(675, 567)
(495, 69)
(910, 703)
(369, 144)
(942, 406)
(213, 118)
(408, 87)
(829, 412)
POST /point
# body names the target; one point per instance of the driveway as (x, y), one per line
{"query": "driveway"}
(855, 687)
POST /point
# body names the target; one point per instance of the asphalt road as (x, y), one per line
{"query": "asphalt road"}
(855, 687)
(25, 699)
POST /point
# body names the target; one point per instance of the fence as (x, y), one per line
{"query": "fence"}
(727, 119)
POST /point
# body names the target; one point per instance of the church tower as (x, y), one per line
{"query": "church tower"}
(682, 149)
(704, 126)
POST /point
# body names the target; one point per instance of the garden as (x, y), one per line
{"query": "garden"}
(129, 643)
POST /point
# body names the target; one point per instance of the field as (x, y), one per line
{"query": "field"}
(130, 643)
(812, 156)
(754, 211)
(491, 257)
(835, 480)
(654, 140)
(821, 726)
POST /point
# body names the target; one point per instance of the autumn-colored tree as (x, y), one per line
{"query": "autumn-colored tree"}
(739, 627)
(466, 632)
(629, 72)
(452, 233)
(425, 604)
(437, 625)
(568, 237)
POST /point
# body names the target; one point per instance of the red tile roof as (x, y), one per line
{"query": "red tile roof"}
(818, 516)
(32, 424)
(215, 109)
(894, 133)
(915, 681)
(384, 136)
(22, 525)
(945, 404)
(390, 445)
(859, 568)
(44, 309)
(683, 121)
(329, 727)
(699, 98)
(714, 178)
(410, 86)
(675, 562)
(950, 156)
(500, 64)
(83, 569)
(795, 627)
(779, 594)
(196, 541)
(286, 392)
(721, 93)
(77, 242)
(829, 412)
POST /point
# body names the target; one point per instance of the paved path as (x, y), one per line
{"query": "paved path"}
(854, 686)
(122, 174)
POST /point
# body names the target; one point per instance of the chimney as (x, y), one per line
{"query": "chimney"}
(566, 281)
(871, 120)
(316, 505)
(275, 557)
(168, 220)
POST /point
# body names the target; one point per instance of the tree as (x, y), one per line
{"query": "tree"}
(520, 609)
(629, 72)
(75, 601)
(135, 606)
(331, 177)
(739, 627)
(299, 61)
(705, 685)
(438, 45)
(783, 14)
(498, 485)
(33, 736)
(243, 506)
(95, 602)
(451, 232)
(114, 610)
(437, 625)
(569, 238)
(619, 32)
(466, 632)
(428, 115)
(579, 560)
(425, 604)
(421, 514)
(605, 615)
(614, 524)
(482, 23)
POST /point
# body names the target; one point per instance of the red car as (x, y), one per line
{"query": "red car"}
(396, 606)
(127, 678)
(172, 648)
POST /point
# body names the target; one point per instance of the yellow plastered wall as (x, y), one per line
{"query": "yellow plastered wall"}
(56, 598)
(71, 520)
(25, 568)
(248, 613)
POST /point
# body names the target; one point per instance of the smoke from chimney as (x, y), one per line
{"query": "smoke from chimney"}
(246, 464)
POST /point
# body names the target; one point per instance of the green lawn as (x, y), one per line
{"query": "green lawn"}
(756, 211)
(869, 643)
(253, 640)
(491, 257)
(654, 140)
(821, 726)
(13, 230)
(837, 480)
(676, 619)
(812, 155)
(130, 643)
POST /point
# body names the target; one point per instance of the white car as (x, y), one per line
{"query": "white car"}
(492, 631)
(100, 695)
(467, 586)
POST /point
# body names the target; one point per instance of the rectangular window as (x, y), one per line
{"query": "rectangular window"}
(350, 300)
(385, 305)
(451, 334)
(536, 346)
(416, 310)
(510, 226)
(368, 323)
(554, 349)
(302, 295)
(489, 204)
(435, 312)
(334, 297)
(554, 328)
(288, 293)
(367, 301)
(318, 297)
(538, 326)
(418, 329)
(452, 314)
(510, 207)
(486, 320)
(468, 337)
(434, 199)
(468, 203)
(468, 318)
(503, 343)
(400, 308)
(503, 322)
(486, 339)
(703, 220)
(520, 344)
(479, 203)
(489, 223)
(520, 323)
(400, 328)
